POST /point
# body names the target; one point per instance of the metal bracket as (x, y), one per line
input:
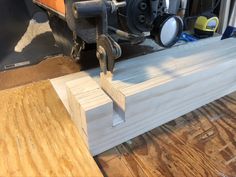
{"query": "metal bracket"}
(107, 52)
(78, 46)
(107, 49)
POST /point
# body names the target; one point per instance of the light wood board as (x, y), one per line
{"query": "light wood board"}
(90, 107)
(156, 89)
(37, 136)
(59, 83)
(159, 69)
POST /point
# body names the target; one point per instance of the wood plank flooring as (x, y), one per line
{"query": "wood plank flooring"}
(37, 136)
(201, 143)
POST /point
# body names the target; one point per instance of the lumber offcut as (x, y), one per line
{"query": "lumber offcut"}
(91, 108)
(151, 90)
(37, 136)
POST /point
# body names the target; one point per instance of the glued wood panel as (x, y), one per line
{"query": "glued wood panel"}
(144, 73)
(91, 109)
(154, 90)
(160, 87)
(200, 143)
(37, 136)
(59, 83)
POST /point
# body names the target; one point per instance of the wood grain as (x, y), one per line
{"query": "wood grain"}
(37, 136)
(201, 143)
(165, 67)
(91, 109)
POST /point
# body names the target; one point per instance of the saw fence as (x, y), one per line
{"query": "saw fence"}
(148, 91)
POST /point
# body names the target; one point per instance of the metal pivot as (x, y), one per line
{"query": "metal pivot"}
(107, 51)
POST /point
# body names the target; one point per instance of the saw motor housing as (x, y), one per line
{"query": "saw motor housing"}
(132, 16)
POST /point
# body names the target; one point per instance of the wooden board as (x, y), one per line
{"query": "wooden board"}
(37, 136)
(158, 88)
(59, 83)
(91, 108)
(144, 73)
(201, 143)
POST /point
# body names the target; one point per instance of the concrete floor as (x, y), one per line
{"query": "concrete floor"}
(31, 46)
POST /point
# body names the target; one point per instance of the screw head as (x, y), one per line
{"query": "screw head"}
(143, 6)
(141, 18)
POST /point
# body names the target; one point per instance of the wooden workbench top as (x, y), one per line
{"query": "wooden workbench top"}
(37, 136)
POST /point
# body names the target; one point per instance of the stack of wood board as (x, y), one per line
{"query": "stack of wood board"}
(151, 90)
(91, 108)
(59, 83)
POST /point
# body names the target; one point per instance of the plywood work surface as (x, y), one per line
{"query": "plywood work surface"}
(37, 136)
(201, 143)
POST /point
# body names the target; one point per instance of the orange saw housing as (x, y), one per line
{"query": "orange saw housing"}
(55, 5)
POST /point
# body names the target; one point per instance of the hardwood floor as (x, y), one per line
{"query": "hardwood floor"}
(201, 143)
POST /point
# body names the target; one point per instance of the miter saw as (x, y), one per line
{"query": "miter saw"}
(108, 23)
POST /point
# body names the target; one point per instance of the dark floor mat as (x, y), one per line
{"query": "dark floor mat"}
(17, 27)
